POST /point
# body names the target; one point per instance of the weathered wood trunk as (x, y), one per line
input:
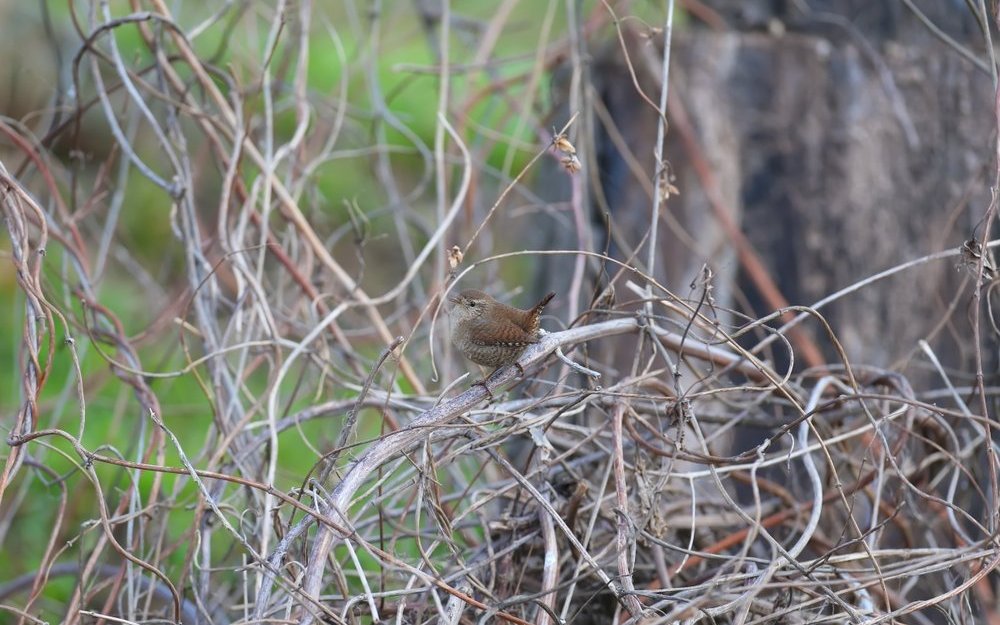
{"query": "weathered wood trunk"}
(840, 151)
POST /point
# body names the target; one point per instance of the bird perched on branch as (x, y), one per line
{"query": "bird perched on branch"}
(492, 334)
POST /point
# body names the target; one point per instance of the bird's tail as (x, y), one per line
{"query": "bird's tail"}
(545, 300)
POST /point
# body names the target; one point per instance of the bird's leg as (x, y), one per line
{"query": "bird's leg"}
(486, 388)
(520, 369)
(483, 384)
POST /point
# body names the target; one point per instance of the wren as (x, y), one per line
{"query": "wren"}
(492, 334)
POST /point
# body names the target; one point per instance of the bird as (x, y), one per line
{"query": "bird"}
(490, 333)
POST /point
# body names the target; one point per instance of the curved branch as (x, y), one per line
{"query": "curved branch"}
(437, 419)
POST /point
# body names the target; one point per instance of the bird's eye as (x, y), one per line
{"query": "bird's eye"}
(472, 303)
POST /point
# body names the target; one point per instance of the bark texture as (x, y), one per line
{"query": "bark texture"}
(841, 145)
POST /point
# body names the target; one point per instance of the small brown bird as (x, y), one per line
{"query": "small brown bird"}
(492, 334)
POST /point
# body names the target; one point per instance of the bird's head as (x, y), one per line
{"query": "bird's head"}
(469, 304)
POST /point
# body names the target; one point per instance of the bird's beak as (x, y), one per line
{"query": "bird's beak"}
(453, 299)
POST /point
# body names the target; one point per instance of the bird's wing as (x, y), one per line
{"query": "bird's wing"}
(500, 332)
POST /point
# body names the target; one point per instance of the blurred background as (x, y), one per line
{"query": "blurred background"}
(222, 214)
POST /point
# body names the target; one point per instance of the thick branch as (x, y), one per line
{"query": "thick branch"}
(441, 415)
